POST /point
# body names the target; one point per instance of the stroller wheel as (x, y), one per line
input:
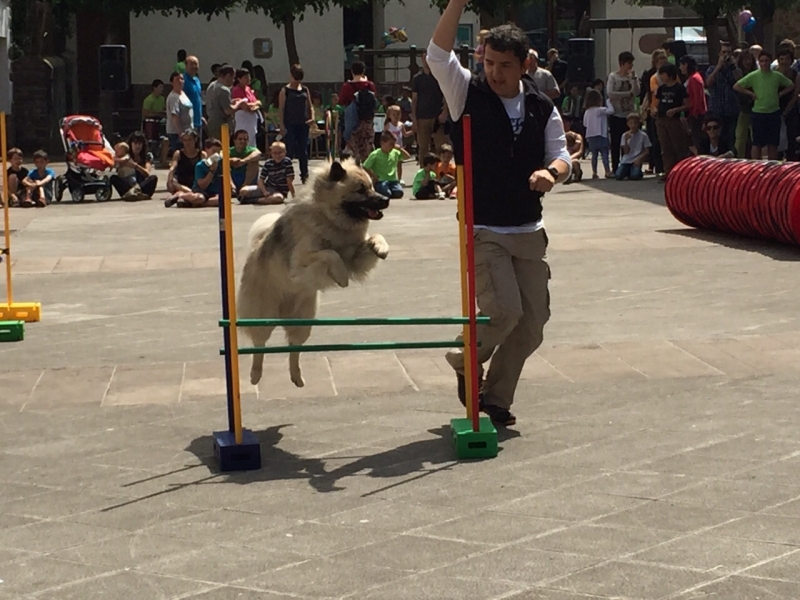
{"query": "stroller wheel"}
(103, 194)
(77, 194)
(59, 185)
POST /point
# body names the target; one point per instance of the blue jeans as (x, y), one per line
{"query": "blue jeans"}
(390, 189)
(297, 146)
(630, 171)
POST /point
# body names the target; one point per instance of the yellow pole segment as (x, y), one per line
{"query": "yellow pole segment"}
(231, 283)
(6, 221)
(462, 246)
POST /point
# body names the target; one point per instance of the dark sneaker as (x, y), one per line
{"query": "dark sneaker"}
(501, 417)
(171, 201)
(462, 389)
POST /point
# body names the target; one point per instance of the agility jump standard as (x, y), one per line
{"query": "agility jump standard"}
(12, 316)
(238, 449)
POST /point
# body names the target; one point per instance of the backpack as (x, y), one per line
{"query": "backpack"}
(365, 100)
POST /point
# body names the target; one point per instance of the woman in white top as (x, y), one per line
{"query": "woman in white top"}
(246, 118)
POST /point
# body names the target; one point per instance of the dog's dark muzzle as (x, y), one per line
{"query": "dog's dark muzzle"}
(375, 205)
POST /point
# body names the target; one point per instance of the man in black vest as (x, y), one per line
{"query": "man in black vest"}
(519, 153)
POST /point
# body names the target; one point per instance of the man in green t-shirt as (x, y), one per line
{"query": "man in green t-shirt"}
(155, 104)
(244, 165)
(180, 66)
(382, 163)
(766, 87)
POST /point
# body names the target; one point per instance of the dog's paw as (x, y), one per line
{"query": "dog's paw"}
(379, 246)
(255, 376)
(340, 277)
(298, 380)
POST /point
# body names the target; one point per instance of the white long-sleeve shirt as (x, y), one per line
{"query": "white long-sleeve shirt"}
(454, 82)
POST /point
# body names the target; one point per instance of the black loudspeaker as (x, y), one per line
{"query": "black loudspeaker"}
(113, 68)
(580, 60)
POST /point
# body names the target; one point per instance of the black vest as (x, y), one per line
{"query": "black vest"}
(501, 165)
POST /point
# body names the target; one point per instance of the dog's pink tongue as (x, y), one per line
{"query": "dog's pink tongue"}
(373, 214)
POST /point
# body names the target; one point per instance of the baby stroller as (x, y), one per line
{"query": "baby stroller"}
(89, 159)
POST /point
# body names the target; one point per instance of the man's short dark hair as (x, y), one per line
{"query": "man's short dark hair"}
(429, 159)
(156, 83)
(765, 53)
(297, 72)
(244, 131)
(211, 142)
(508, 38)
(181, 55)
(626, 57)
(669, 70)
(214, 67)
(712, 119)
(786, 51)
(226, 70)
(357, 68)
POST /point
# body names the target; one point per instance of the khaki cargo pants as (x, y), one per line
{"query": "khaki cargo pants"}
(511, 281)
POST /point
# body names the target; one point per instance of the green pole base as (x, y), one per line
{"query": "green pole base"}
(12, 331)
(474, 444)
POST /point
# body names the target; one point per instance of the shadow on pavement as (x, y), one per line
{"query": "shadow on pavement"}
(773, 250)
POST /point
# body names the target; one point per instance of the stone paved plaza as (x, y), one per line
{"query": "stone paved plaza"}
(656, 453)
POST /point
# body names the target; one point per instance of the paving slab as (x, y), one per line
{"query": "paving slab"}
(655, 454)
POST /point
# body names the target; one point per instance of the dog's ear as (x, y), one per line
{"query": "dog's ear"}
(337, 172)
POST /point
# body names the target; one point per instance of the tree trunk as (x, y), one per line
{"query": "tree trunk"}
(291, 42)
(712, 37)
(731, 30)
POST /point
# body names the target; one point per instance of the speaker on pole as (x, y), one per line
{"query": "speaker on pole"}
(580, 60)
(113, 68)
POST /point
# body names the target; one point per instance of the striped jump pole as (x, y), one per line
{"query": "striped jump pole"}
(475, 436)
(236, 449)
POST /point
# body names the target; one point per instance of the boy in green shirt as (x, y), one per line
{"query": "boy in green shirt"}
(382, 166)
(155, 104)
(425, 186)
(244, 165)
(766, 87)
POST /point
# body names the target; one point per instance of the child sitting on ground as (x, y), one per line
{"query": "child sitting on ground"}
(446, 170)
(277, 177)
(425, 186)
(17, 192)
(634, 148)
(207, 185)
(125, 171)
(382, 164)
(575, 148)
(40, 181)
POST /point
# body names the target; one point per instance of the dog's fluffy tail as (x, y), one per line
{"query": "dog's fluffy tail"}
(261, 227)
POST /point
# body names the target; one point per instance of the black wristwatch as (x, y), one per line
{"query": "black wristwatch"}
(554, 172)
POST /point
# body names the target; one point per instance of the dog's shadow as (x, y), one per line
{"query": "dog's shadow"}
(418, 458)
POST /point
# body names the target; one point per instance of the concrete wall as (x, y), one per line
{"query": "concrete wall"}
(155, 40)
(609, 44)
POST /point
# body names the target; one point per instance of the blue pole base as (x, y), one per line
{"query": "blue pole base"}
(237, 457)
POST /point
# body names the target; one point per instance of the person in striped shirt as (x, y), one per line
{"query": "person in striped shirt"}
(276, 179)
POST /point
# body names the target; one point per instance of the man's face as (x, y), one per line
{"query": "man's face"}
(764, 62)
(503, 72)
(713, 129)
(192, 66)
(240, 141)
(227, 79)
(725, 52)
(785, 60)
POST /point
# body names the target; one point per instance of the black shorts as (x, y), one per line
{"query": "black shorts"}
(766, 128)
(427, 192)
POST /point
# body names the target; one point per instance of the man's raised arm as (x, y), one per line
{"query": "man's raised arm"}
(452, 77)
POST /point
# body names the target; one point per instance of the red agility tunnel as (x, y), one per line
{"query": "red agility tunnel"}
(756, 199)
